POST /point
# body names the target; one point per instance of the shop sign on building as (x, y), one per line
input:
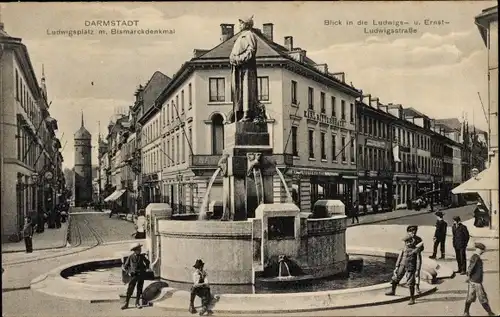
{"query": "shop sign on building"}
(323, 118)
(314, 173)
(375, 143)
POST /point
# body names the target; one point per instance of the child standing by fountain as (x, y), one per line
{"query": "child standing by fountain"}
(407, 264)
(200, 288)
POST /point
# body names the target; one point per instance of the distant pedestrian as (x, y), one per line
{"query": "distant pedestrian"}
(135, 266)
(460, 240)
(475, 274)
(439, 235)
(419, 243)
(355, 212)
(481, 217)
(140, 225)
(406, 264)
(28, 234)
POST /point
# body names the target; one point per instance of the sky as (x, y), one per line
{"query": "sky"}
(438, 69)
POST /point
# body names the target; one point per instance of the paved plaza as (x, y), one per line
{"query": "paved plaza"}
(20, 269)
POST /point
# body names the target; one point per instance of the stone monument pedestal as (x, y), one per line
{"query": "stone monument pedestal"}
(247, 147)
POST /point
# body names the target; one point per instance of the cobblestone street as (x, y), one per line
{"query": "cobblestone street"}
(88, 228)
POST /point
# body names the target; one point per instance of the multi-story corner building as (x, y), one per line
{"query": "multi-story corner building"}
(29, 150)
(375, 157)
(149, 137)
(311, 121)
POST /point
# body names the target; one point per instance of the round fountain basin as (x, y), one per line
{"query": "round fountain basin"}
(376, 270)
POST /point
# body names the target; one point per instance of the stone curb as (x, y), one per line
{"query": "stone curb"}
(54, 284)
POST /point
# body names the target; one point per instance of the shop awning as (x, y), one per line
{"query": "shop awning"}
(115, 195)
(484, 181)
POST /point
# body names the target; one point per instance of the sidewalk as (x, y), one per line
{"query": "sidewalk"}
(476, 232)
(48, 239)
(396, 214)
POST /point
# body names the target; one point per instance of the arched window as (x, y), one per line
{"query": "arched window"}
(217, 134)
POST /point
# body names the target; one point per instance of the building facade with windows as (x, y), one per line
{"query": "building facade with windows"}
(29, 150)
(375, 160)
(149, 136)
(421, 161)
(411, 140)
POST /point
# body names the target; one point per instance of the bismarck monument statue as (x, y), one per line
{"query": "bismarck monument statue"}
(244, 73)
(247, 165)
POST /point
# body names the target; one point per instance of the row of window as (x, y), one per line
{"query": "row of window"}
(322, 103)
(336, 153)
(172, 151)
(372, 127)
(27, 146)
(217, 89)
(418, 164)
(412, 139)
(373, 159)
(24, 97)
(171, 110)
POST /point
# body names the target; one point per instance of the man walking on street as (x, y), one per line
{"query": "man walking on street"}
(475, 280)
(135, 266)
(460, 241)
(28, 234)
(439, 235)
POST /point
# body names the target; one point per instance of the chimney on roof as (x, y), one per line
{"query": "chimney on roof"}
(198, 52)
(289, 43)
(339, 76)
(226, 31)
(267, 30)
(322, 68)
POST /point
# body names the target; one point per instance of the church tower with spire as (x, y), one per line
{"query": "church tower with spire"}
(82, 191)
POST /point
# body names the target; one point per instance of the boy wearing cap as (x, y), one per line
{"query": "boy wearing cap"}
(407, 264)
(200, 288)
(135, 266)
(460, 240)
(419, 245)
(475, 279)
(439, 235)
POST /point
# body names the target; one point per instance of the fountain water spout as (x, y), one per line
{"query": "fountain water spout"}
(288, 195)
(203, 209)
(283, 268)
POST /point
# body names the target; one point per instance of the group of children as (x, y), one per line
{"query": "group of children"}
(409, 264)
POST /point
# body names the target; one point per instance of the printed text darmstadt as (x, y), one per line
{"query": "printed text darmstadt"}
(112, 23)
